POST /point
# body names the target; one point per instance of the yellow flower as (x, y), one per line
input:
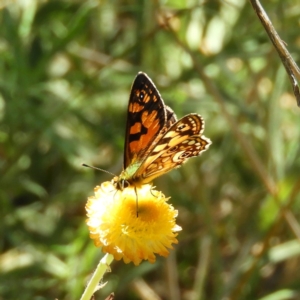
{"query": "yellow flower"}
(114, 225)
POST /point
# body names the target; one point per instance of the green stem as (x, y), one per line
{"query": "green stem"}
(98, 274)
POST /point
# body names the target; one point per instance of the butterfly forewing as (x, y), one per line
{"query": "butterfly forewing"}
(147, 116)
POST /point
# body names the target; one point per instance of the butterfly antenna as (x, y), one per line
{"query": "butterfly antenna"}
(98, 169)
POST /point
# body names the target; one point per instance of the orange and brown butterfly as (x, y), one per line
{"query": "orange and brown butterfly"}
(155, 141)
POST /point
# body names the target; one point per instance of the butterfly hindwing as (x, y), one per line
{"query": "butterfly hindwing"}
(181, 141)
(174, 157)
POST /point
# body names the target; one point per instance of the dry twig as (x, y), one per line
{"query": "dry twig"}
(291, 67)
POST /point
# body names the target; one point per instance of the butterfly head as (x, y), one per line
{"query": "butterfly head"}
(120, 183)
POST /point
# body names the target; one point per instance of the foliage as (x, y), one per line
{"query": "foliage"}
(66, 69)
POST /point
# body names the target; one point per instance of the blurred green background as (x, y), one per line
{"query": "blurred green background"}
(66, 69)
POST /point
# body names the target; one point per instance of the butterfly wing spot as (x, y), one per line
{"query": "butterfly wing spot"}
(135, 107)
(186, 154)
(140, 95)
(181, 127)
(165, 159)
(143, 96)
(149, 118)
(148, 89)
(171, 150)
(181, 156)
(154, 167)
(190, 142)
(136, 128)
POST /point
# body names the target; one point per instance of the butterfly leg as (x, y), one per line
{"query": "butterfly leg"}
(152, 193)
(137, 203)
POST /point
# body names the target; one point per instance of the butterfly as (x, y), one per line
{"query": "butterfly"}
(155, 141)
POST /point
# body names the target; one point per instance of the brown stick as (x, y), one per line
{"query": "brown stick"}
(291, 67)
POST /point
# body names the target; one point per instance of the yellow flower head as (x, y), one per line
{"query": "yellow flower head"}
(114, 225)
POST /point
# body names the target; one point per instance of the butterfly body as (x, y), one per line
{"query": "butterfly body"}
(156, 142)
